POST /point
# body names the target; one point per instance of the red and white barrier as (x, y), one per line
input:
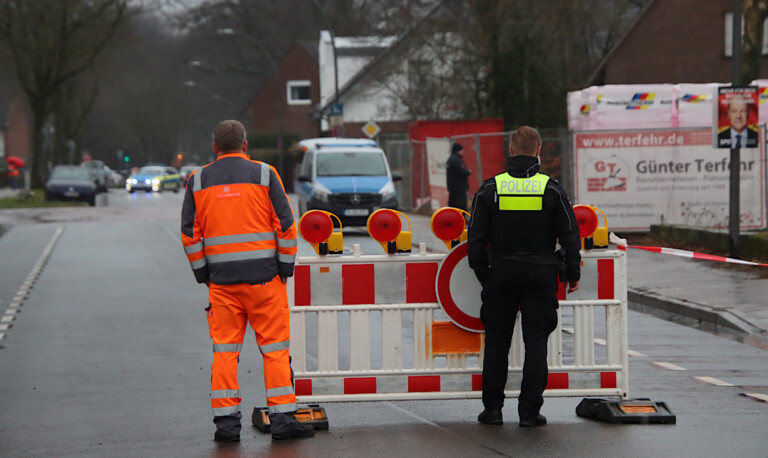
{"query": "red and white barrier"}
(367, 328)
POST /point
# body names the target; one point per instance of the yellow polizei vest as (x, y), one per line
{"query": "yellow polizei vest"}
(526, 194)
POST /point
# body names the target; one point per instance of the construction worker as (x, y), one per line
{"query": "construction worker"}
(239, 234)
(517, 218)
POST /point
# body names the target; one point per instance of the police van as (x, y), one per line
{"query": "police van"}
(349, 177)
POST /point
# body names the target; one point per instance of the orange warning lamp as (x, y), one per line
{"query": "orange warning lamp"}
(591, 235)
(385, 227)
(449, 225)
(316, 227)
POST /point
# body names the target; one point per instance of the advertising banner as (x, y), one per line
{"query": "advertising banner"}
(666, 176)
(438, 151)
(736, 117)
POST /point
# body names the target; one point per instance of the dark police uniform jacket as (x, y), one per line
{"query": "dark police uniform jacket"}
(522, 233)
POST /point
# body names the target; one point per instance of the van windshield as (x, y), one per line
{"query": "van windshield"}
(350, 164)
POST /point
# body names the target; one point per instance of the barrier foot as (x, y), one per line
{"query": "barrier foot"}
(629, 411)
(310, 414)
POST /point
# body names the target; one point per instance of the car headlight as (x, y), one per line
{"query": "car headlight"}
(320, 193)
(147, 181)
(132, 181)
(388, 191)
(155, 181)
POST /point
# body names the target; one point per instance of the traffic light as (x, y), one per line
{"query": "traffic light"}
(127, 159)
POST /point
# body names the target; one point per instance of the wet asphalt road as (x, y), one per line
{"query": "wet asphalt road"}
(109, 355)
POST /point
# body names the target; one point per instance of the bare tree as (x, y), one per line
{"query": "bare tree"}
(50, 43)
(755, 14)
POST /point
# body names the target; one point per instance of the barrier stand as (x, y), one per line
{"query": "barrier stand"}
(363, 327)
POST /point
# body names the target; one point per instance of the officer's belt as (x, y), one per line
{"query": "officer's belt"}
(531, 258)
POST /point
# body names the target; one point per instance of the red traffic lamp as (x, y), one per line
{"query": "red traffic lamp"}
(316, 227)
(449, 225)
(385, 227)
(592, 235)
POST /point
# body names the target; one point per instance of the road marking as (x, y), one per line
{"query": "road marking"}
(23, 290)
(758, 396)
(636, 353)
(413, 415)
(712, 381)
(669, 366)
(601, 342)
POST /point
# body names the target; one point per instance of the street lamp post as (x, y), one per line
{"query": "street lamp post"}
(278, 103)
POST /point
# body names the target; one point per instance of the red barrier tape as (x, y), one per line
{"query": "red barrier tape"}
(622, 245)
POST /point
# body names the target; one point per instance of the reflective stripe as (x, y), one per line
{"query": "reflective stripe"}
(239, 238)
(280, 391)
(282, 408)
(264, 174)
(198, 185)
(193, 248)
(231, 410)
(199, 263)
(524, 194)
(224, 394)
(242, 255)
(275, 346)
(286, 258)
(227, 348)
(287, 243)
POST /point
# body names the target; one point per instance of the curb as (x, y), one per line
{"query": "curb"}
(720, 318)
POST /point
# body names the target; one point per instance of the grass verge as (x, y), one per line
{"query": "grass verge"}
(33, 199)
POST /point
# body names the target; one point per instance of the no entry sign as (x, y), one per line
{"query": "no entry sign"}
(458, 290)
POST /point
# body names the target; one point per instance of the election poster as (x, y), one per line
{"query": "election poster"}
(736, 117)
(438, 151)
(666, 176)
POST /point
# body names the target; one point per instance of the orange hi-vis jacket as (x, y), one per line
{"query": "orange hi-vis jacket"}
(225, 240)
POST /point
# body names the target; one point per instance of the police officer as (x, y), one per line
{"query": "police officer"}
(239, 234)
(517, 219)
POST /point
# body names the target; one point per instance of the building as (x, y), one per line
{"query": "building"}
(673, 41)
(14, 130)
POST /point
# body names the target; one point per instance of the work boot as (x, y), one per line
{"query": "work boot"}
(286, 426)
(539, 420)
(491, 416)
(227, 428)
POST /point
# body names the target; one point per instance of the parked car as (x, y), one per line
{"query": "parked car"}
(114, 179)
(155, 178)
(184, 172)
(96, 168)
(70, 182)
(347, 177)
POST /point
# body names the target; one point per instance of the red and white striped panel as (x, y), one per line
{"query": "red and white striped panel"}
(314, 389)
(600, 277)
(365, 283)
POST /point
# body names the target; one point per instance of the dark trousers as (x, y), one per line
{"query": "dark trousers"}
(531, 288)
(457, 199)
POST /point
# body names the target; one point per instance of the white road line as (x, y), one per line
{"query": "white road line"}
(601, 342)
(7, 318)
(4, 327)
(2, 335)
(669, 366)
(758, 396)
(12, 311)
(568, 330)
(712, 381)
(636, 353)
(413, 415)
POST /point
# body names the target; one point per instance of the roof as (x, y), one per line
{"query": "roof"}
(396, 45)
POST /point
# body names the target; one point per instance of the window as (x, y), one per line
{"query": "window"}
(729, 34)
(298, 92)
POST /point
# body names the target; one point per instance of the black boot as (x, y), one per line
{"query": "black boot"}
(227, 428)
(538, 420)
(286, 426)
(491, 416)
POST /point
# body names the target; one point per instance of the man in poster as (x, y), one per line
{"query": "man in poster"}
(739, 132)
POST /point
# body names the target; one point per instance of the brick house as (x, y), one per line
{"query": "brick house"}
(14, 133)
(673, 41)
(287, 97)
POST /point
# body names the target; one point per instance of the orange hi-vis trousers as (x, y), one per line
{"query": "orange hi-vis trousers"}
(265, 307)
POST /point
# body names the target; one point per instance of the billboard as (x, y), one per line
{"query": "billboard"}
(666, 176)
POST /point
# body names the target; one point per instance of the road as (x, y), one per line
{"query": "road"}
(109, 355)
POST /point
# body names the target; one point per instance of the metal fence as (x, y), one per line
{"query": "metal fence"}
(408, 157)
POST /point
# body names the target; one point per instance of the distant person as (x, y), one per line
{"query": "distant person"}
(13, 176)
(517, 219)
(456, 173)
(739, 134)
(239, 234)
